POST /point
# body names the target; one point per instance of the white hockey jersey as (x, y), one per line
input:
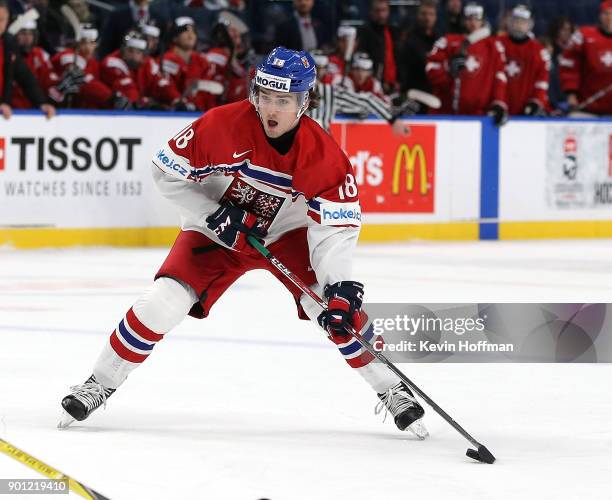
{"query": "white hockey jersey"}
(224, 155)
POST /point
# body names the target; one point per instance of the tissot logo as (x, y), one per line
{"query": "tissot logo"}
(80, 153)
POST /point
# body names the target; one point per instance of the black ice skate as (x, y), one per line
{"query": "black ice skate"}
(83, 400)
(407, 412)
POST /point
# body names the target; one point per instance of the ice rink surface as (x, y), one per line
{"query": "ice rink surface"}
(252, 403)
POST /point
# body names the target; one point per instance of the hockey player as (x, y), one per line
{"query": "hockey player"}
(324, 75)
(79, 72)
(228, 59)
(37, 60)
(361, 79)
(345, 46)
(336, 98)
(585, 69)
(134, 76)
(186, 67)
(467, 71)
(151, 34)
(257, 167)
(527, 66)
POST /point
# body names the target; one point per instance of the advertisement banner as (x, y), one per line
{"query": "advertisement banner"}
(85, 178)
(394, 174)
(82, 171)
(486, 333)
(579, 166)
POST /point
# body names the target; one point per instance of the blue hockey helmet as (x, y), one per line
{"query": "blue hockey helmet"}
(286, 70)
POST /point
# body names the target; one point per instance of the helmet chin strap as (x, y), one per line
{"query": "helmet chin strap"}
(304, 105)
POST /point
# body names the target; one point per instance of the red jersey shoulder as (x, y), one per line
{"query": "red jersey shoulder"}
(446, 45)
(593, 37)
(454, 41)
(531, 45)
(230, 133)
(40, 53)
(491, 42)
(590, 32)
(318, 144)
(218, 56)
(220, 120)
(215, 129)
(322, 167)
(114, 62)
(171, 63)
(578, 37)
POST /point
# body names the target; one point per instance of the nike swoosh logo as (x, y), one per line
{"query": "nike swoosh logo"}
(238, 155)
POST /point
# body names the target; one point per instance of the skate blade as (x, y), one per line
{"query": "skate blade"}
(418, 429)
(65, 420)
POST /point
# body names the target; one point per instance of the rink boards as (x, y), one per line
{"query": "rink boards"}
(84, 179)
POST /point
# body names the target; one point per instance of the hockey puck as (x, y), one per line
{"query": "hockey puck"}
(482, 455)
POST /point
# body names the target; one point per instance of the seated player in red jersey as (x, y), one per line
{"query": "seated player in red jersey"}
(135, 77)
(467, 71)
(527, 66)
(361, 79)
(187, 68)
(79, 73)
(257, 167)
(37, 60)
(585, 68)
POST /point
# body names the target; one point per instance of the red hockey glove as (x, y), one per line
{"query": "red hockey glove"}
(232, 225)
(344, 300)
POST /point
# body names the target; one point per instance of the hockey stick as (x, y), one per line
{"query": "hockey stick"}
(429, 100)
(48, 471)
(75, 24)
(595, 97)
(73, 21)
(210, 86)
(348, 55)
(481, 453)
(22, 19)
(470, 39)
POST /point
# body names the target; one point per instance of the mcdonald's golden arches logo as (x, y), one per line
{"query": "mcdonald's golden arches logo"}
(394, 175)
(409, 157)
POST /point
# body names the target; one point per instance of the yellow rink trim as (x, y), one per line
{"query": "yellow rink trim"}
(406, 232)
(47, 471)
(555, 230)
(115, 236)
(165, 236)
(370, 233)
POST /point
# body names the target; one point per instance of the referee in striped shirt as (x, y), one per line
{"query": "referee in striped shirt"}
(338, 99)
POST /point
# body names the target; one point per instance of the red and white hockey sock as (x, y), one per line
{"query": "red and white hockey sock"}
(355, 355)
(377, 375)
(133, 341)
(156, 312)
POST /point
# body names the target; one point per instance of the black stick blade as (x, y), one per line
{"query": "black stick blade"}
(482, 455)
